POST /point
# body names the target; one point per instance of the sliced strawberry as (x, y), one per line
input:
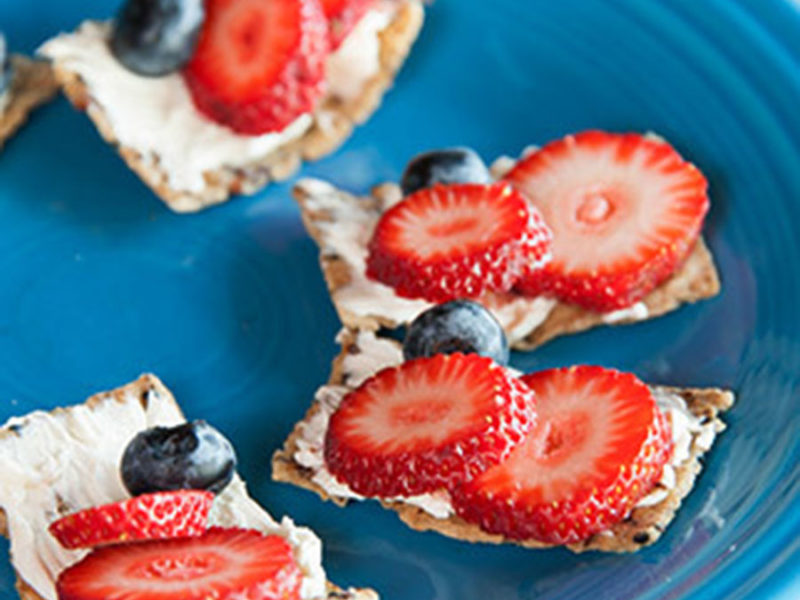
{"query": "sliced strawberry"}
(428, 424)
(342, 16)
(457, 241)
(625, 211)
(223, 564)
(599, 445)
(259, 64)
(161, 515)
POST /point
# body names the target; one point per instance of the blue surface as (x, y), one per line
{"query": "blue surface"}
(101, 282)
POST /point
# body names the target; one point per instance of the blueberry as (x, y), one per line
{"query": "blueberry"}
(156, 37)
(456, 326)
(6, 70)
(449, 165)
(192, 456)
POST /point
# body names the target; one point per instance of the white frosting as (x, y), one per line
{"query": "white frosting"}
(503, 164)
(358, 57)
(520, 315)
(378, 353)
(235, 508)
(635, 312)
(156, 116)
(687, 430)
(67, 461)
(347, 234)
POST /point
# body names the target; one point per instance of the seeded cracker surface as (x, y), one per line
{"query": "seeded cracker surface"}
(32, 86)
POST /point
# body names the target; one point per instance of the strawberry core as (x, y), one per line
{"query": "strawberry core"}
(562, 437)
(456, 227)
(594, 208)
(184, 568)
(248, 33)
(424, 411)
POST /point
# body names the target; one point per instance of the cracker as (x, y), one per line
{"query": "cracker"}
(695, 280)
(32, 86)
(141, 390)
(641, 528)
(334, 121)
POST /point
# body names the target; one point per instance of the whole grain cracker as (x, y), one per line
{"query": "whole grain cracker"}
(695, 280)
(142, 388)
(642, 527)
(334, 121)
(32, 85)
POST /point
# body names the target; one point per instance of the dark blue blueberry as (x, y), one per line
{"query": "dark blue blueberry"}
(192, 456)
(156, 37)
(6, 70)
(457, 326)
(449, 165)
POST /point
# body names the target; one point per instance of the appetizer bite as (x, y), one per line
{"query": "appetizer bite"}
(593, 229)
(120, 497)
(208, 98)
(442, 431)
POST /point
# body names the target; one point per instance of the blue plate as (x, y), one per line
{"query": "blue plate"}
(101, 282)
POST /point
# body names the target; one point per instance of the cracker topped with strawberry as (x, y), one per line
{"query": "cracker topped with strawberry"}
(120, 497)
(442, 431)
(612, 227)
(25, 84)
(208, 98)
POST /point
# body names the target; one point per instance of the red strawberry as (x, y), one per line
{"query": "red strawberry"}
(223, 564)
(457, 241)
(259, 64)
(342, 16)
(428, 424)
(625, 211)
(161, 515)
(599, 445)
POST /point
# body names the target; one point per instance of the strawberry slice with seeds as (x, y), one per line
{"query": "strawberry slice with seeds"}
(342, 16)
(625, 211)
(599, 445)
(457, 241)
(259, 64)
(427, 424)
(182, 513)
(223, 564)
